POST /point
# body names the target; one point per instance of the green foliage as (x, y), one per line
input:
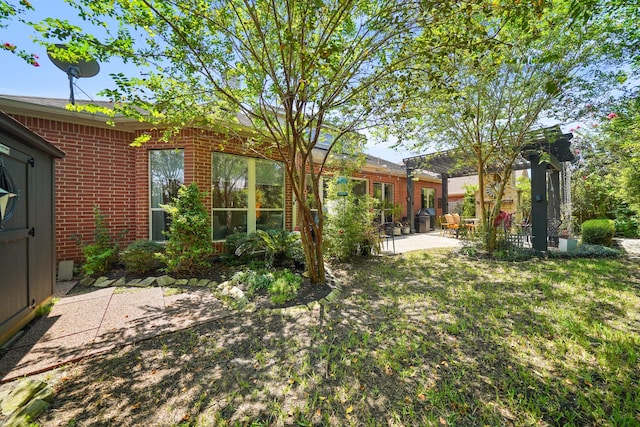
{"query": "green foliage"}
(278, 247)
(523, 185)
(103, 253)
(349, 230)
(142, 256)
(586, 250)
(281, 285)
(627, 222)
(188, 248)
(598, 232)
(284, 287)
(469, 201)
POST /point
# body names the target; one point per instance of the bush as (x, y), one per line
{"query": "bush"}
(627, 222)
(349, 229)
(598, 232)
(278, 247)
(103, 253)
(189, 246)
(282, 286)
(140, 256)
(587, 251)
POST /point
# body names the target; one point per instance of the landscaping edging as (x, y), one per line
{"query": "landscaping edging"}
(22, 401)
(225, 291)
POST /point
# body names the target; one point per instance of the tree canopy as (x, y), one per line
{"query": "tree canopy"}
(293, 74)
(486, 101)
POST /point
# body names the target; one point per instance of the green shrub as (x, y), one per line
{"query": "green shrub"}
(103, 253)
(586, 250)
(233, 241)
(284, 287)
(627, 222)
(189, 246)
(141, 256)
(349, 229)
(276, 246)
(598, 232)
(98, 259)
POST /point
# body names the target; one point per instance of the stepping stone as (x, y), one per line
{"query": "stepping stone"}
(103, 282)
(165, 281)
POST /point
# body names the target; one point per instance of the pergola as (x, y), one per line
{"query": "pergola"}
(545, 153)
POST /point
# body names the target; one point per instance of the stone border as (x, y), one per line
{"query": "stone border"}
(24, 401)
(229, 294)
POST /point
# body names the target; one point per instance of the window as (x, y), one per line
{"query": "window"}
(383, 193)
(428, 198)
(269, 195)
(166, 172)
(360, 187)
(247, 193)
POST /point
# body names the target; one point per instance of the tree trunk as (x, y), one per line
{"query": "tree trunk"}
(311, 235)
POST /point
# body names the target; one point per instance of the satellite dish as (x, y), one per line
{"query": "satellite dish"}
(81, 68)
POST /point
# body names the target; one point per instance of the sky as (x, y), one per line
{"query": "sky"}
(17, 77)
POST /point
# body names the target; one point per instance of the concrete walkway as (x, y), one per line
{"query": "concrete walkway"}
(100, 320)
(418, 241)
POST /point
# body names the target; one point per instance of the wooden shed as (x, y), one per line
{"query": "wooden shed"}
(27, 224)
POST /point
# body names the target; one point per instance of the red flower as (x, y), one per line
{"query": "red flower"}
(9, 46)
(35, 64)
(612, 116)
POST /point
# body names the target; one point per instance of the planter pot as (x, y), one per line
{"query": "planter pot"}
(397, 231)
(406, 230)
(565, 245)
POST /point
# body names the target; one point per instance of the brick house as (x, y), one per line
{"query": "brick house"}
(243, 191)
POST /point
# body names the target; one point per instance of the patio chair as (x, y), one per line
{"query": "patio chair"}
(444, 225)
(452, 226)
(385, 233)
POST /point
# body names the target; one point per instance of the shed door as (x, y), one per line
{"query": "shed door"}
(15, 233)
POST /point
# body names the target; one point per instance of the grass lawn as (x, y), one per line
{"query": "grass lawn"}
(428, 338)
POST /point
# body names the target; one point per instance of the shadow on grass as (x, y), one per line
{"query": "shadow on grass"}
(421, 339)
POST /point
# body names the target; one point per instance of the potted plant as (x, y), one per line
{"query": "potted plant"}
(406, 228)
(565, 241)
(397, 225)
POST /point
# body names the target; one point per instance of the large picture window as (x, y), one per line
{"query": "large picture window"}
(166, 172)
(248, 194)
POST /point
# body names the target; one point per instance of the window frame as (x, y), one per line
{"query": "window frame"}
(251, 209)
(151, 187)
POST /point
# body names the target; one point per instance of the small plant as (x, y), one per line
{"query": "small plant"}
(284, 287)
(189, 245)
(598, 232)
(103, 253)
(141, 256)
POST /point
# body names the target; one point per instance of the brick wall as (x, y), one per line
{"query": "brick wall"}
(101, 168)
(98, 169)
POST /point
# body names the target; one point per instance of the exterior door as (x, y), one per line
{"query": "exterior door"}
(15, 233)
